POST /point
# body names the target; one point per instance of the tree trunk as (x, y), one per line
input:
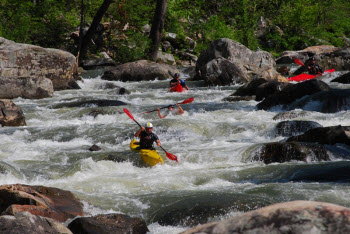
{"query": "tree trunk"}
(92, 29)
(157, 28)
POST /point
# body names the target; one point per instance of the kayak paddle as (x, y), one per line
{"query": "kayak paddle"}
(299, 62)
(169, 155)
(188, 100)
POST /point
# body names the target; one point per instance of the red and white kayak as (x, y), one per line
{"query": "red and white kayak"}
(177, 88)
(303, 77)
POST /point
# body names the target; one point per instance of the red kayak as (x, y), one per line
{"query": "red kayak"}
(303, 77)
(177, 88)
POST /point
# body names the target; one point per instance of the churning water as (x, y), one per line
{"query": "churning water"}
(213, 180)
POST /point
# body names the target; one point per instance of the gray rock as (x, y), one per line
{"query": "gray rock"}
(23, 60)
(25, 222)
(289, 217)
(139, 70)
(25, 87)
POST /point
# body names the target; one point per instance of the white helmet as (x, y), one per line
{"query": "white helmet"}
(149, 125)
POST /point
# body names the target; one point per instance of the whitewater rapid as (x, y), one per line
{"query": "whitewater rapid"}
(211, 181)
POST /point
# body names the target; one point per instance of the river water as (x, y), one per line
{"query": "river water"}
(213, 180)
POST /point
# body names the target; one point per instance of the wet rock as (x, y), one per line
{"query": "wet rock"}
(25, 87)
(290, 115)
(139, 70)
(293, 128)
(36, 62)
(288, 217)
(343, 79)
(325, 135)
(95, 113)
(108, 223)
(291, 93)
(225, 53)
(270, 88)
(48, 202)
(331, 101)
(10, 114)
(250, 88)
(94, 148)
(279, 152)
(165, 58)
(115, 158)
(25, 222)
(239, 98)
(338, 59)
(90, 103)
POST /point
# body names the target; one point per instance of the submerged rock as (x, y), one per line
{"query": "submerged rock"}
(343, 79)
(296, 127)
(290, 115)
(90, 103)
(288, 217)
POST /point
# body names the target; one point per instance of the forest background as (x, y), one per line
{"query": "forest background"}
(294, 24)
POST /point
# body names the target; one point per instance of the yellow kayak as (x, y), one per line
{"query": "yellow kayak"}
(150, 157)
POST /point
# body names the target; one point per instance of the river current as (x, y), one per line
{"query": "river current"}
(213, 180)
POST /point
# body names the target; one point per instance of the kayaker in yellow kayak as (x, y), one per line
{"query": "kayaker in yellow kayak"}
(176, 80)
(171, 110)
(147, 137)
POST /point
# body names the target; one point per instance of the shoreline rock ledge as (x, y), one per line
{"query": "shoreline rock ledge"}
(289, 217)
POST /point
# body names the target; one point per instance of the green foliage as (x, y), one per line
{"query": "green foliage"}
(131, 49)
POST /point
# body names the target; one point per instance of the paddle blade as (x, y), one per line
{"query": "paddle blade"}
(171, 156)
(188, 100)
(299, 62)
(129, 114)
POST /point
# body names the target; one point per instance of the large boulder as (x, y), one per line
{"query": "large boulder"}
(280, 152)
(25, 87)
(108, 223)
(287, 57)
(325, 135)
(291, 93)
(329, 101)
(25, 222)
(289, 217)
(23, 60)
(139, 70)
(338, 59)
(10, 114)
(343, 79)
(246, 63)
(48, 202)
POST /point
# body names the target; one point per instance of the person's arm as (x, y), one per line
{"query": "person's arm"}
(173, 83)
(160, 115)
(186, 87)
(137, 134)
(180, 111)
(158, 142)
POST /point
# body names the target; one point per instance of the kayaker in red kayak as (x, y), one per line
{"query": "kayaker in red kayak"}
(171, 110)
(147, 137)
(176, 80)
(313, 68)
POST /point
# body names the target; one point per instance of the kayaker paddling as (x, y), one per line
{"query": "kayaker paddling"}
(313, 68)
(172, 111)
(147, 137)
(176, 80)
